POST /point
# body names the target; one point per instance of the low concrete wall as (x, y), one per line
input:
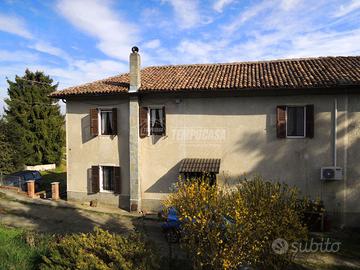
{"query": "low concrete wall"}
(43, 167)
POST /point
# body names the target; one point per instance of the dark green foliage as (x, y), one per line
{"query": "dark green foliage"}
(36, 126)
(7, 154)
(101, 250)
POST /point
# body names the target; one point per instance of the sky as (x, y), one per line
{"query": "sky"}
(78, 41)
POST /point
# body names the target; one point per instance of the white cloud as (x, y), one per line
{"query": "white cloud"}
(88, 71)
(152, 44)
(273, 30)
(81, 71)
(326, 44)
(17, 56)
(346, 9)
(47, 48)
(187, 13)
(98, 19)
(248, 14)
(219, 5)
(14, 25)
(195, 51)
(289, 4)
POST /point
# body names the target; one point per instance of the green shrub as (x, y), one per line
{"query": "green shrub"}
(224, 228)
(101, 250)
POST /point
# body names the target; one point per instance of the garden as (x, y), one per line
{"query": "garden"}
(221, 228)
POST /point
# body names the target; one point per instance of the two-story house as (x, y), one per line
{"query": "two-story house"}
(295, 121)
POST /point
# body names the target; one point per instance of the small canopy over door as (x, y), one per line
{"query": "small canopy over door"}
(200, 168)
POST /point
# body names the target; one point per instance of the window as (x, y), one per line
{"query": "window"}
(295, 121)
(106, 178)
(106, 122)
(103, 121)
(152, 121)
(157, 125)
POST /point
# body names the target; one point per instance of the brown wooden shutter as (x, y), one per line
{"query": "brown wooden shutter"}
(164, 121)
(143, 122)
(114, 121)
(281, 121)
(309, 121)
(94, 123)
(117, 180)
(95, 179)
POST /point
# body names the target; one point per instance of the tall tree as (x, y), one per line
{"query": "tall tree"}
(36, 124)
(7, 153)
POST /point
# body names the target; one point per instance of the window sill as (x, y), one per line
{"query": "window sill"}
(106, 136)
(106, 191)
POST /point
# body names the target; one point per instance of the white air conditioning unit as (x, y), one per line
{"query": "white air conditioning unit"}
(331, 173)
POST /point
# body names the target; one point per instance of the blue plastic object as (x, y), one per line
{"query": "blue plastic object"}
(172, 221)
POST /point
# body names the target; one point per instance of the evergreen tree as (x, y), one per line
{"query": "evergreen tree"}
(7, 153)
(36, 125)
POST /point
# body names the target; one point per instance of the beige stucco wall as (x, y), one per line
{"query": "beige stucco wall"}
(243, 135)
(84, 151)
(351, 190)
(241, 131)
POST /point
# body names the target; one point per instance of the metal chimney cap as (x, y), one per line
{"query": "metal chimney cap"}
(135, 49)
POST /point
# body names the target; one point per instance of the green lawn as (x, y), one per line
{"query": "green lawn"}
(20, 250)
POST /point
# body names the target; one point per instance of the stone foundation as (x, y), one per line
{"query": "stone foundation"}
(108, 199)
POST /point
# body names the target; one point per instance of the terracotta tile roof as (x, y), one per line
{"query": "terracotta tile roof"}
(199, 165)
(293, 73)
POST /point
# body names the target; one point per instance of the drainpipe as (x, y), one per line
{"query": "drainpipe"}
(335, 132)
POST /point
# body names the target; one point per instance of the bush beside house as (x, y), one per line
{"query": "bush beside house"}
(229, 228)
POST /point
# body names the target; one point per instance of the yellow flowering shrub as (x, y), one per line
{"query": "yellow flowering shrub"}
(224, 228)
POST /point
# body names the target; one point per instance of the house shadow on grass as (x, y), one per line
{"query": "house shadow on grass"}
(59, 219)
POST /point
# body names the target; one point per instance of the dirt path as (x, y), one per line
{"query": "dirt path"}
(50, 219)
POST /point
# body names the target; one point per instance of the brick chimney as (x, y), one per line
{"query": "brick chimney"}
(135, 80)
